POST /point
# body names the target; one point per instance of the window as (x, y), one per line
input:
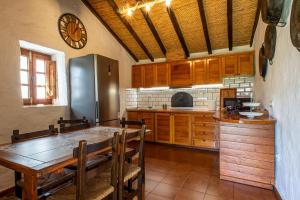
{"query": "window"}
(38, 78)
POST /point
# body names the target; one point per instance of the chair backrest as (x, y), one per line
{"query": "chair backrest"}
(81, 152)
(66, 126)
(17, 137)
(137, 123)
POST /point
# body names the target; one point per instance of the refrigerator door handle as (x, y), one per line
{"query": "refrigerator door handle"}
(97, 112)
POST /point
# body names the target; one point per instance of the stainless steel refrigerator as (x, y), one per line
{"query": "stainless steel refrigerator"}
(94, 84)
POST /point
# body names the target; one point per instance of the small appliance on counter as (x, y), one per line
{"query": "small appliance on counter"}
(182, 100)
(235, 105)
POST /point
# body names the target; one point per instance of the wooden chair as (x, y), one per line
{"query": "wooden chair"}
(129, 172)
(75, 125)
(49, 182)
(66, 126)
(99, 186)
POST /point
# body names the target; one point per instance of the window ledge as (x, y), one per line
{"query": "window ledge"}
(44, 106)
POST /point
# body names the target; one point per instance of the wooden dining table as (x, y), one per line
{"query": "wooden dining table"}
(37, 157)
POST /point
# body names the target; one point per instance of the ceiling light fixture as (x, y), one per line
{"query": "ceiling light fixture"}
(145, 4)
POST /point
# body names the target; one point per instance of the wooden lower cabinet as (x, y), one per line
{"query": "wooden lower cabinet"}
(247, 154)
(181, 129)
(163, 127)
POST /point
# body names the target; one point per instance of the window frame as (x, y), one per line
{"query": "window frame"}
(32, 56)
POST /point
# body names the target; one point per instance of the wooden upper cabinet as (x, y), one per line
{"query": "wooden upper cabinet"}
(214, 70)
(162, 74)
(137, 76)
(199, 72)
(163, 127)
(182, 129)
(180, 73)
(230, 65)
(149, 75)
(246, 64)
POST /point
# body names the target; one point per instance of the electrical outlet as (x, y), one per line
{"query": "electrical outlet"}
(278, 158)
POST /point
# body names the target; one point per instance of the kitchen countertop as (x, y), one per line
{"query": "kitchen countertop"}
(237, 119)
(173, 110)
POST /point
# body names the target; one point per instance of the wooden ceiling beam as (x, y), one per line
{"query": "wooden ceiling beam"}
(178, 31)
(114, 6)
(255, 22)
(204, 25)
(89, 6)
(154, 32)
(229, 23)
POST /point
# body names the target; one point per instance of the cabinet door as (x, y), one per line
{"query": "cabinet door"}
(180, 74)
(163, 128)
(149, 75)
(137, 76)
(246, 64)
(214, 74)
(162, 74)
(226, 93)
(134, 116)
(230, 65)
(182, 129)
(199, 72)
(149, 120)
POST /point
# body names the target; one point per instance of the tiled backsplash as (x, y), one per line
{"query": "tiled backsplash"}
(156, 98)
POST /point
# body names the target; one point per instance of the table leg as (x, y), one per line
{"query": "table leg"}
(30, 187)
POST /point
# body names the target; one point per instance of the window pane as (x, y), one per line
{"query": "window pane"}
(40, 65)
(40, 79)
(25, 92)
(24, 77)
(24, 62)
(40, 93)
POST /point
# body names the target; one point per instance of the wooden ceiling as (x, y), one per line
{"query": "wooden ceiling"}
(187, 26)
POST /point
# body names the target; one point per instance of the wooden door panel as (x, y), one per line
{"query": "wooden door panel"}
(163, 127)
(149, 75)
(180, 74)
(230, 65)
(246, 64)
(137, 76)
(162, 74)
(214, 73)
(182, 129)
(149, 121)
(199, 72)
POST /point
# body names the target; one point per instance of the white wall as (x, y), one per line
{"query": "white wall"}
(35, 21)
(282, 87)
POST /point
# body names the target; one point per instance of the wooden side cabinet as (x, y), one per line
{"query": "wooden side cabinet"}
(199, 72)
(137, 76)
(230, 65)
(149, 121)
(245, 64)
(163, 127)
(214, 70)
(149, 75)
(180, 73)
(181, 129)
(162, 75)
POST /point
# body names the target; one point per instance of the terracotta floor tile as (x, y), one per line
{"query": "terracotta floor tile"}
(150, 185)
(175, 179)
(197, 182)
(211, 197)
(156, 197)
(165, 190)
(154, 175)
(245, 192)
(185, 194)
(220, 188)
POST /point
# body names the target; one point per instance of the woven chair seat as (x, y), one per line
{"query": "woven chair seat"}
(91, 163)
(130, 171)
(51, 180)
(97, 187)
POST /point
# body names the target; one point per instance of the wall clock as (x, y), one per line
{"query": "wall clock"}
(72, 31)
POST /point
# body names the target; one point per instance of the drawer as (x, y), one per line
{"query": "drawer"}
(266, 149)
(206, 117)
(262, 133)
(204, 143)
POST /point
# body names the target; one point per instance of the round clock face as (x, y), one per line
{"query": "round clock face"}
(72, 31)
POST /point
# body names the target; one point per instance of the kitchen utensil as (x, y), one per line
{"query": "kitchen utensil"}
(271, 11)
(270, 43)
(263, 63)
(295, 24)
